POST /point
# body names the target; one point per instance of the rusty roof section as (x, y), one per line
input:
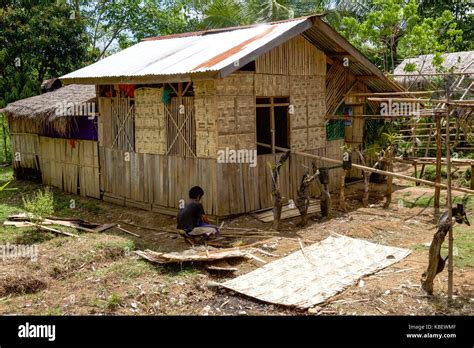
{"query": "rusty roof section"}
(234, 50)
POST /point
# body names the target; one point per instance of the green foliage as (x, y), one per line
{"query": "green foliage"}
(39, 205)
(38, 40)
(393, 30)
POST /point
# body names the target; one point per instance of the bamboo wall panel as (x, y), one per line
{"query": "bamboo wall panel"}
(180, 127)
(294, 57)
(70, 165)
(25, 149)
(206, 120)
(272, 85)
(239, 83)
(150, 131)
(307, 121)
(122, 123)
(236, 112)
(105, 122)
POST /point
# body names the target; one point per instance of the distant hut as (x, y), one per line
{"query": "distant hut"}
(462, 64)
(54, 137)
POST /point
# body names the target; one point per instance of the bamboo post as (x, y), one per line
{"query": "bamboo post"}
(438, 163)
(449, 204)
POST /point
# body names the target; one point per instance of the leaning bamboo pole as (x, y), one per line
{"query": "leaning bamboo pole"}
(383, 172)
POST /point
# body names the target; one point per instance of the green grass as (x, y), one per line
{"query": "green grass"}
(113, 301)
(127, 269)
(464, 243)
(421, 201)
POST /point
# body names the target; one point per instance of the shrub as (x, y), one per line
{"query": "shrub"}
(39, 205)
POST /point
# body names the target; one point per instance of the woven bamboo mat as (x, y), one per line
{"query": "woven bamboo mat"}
(317, 272)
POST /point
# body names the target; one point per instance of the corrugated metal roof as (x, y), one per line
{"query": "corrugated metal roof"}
(217, 53)
(188, 54)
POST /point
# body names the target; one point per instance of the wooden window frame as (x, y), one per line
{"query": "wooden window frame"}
(272, 106)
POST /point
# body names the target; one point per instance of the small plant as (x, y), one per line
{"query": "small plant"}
(114, 301)
(39, 205)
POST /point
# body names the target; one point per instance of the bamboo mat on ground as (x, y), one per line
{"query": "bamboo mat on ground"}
(317, 272)
(287, 212)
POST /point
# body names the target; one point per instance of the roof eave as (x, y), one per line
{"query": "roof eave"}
(148, 79)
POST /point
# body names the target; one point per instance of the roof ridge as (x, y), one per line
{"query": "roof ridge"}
(225, 29)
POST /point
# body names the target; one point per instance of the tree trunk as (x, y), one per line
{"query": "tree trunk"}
(342, 199)
(433, 262)
(302, 200)
(276, 194)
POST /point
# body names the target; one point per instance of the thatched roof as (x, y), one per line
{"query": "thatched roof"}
(463, 62)
(44, 105)
(39, 114)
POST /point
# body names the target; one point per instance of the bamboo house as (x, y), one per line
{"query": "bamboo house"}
(169, 106)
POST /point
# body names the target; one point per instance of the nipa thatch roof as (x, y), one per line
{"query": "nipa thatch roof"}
(39, 114)
(463, 62)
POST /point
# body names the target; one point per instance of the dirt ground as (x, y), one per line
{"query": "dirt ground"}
(98, 273)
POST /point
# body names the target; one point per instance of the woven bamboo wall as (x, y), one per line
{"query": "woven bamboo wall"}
(235, 107)
(70, 165)
(205, 115)
(150, 131)
(307, 97)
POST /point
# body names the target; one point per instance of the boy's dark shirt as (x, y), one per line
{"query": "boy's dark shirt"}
(190, 216)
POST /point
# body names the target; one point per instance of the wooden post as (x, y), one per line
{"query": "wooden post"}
(472, 176)
(366, 174)
(438, 163)
(388, 158)
(449, 204)
(4, 128)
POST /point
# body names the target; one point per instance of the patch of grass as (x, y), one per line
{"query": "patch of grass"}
(125, 245)
(430, 173)
(464, 243)
(127, 269)
(172, 271)
(421, 201)
(113, 301)
(56, 310)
